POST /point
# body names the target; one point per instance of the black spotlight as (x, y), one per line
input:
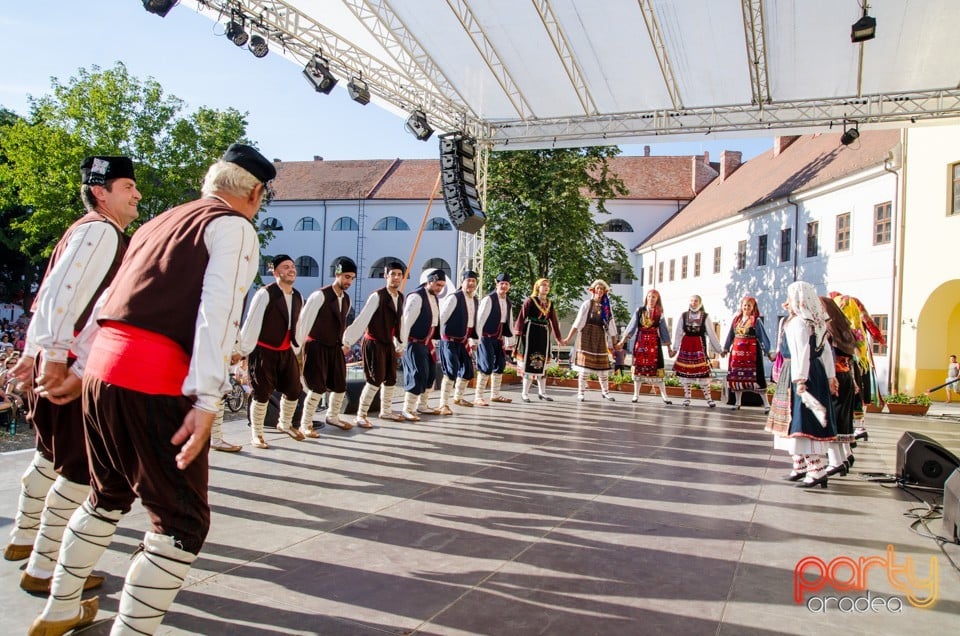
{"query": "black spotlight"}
(359, 91)
(849, 136)
(417, 125)
(159, 7)
(863, 29)
(317, 72)
(258, 46)
(235, 32)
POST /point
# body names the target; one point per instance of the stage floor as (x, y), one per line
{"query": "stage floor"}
(542, 518)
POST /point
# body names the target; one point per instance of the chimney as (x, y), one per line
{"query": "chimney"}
(780, 143)
(317, 158)
(706, 157)
(729, 162)
(646, 151)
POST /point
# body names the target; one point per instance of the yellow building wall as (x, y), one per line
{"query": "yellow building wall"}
(930, 299)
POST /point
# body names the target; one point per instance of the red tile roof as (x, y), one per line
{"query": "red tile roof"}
(645, 177)
(810, 161)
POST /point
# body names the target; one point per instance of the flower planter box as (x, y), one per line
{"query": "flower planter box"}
(674, 391)
(907, 409)
(873, 408)
(563, 382)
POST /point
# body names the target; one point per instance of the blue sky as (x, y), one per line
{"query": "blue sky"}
(188, 55)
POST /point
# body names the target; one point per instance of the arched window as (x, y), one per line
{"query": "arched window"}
(438, 223)
(271, 223)
(438, 263)
(345, 224)
(307, 267)
(307, 224)
(617, 225)
(266, 262)
(376, 270)
(391, 223)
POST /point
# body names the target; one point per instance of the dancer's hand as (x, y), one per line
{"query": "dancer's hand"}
(195, 431)
(67, 390)
(834, 386)
(23, 372)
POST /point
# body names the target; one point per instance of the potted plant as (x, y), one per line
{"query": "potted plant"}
(904, 404)
(621, 382)
(674, 386)
(716, 390)
(510, 375)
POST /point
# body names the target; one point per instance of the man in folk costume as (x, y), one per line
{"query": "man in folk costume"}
(494, 319)
(652, 334)
(536, 321)
(458, 314)
(693, 332)
(320, 329)
(747, 343)
(82, 265)
(421, 320)
(379, 324)
(154, 374)
(598, 335)
(268, 340)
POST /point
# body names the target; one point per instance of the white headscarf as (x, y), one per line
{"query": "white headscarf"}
(805, 303)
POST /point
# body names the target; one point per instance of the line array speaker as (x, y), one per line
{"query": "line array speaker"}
(459, 179)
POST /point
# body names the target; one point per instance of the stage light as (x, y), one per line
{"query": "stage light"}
(235, 32)
(258, 46)
(317, 72)
(159, 7)
(359, 91)
(863, 29)
(417, 125)
(850, 135)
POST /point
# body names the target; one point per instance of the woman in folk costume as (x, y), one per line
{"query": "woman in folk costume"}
(802, 418)
(844, 345)
(692, 333)
(598, 333)
(865, 372)
(652, 335)
(537, 319)
(747, 344)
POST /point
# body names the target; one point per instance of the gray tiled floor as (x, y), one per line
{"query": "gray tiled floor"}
(543, 518)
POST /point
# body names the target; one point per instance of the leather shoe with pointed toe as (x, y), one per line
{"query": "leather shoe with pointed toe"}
(88, 612)
(840, 469)
(544, 397)
(810, 482)
(14, 552)
(525, 398)
(794, 476)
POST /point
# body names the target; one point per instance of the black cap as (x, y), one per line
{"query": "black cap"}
(436, 275)
(503, 278)
(345, 266)
(99, 169)
(392, 265)
(248, 158)
(468, 273)
(279, 258)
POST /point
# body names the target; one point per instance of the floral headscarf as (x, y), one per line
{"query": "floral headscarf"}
(805, 303)
(605, 311)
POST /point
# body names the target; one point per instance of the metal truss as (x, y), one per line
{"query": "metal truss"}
(660, 49)
(559, 39)
(756, 50)
(890, 109)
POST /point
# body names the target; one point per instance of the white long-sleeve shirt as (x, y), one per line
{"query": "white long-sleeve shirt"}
(797, 333)
(411, 309)
(712, 339)
(69, 287)
(308, 314)
(234, 251)
(483, 312)
(359, 325)
(250, 331)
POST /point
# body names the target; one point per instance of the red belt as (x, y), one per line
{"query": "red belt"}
(462, 340)
(283, 345)
(138, 359)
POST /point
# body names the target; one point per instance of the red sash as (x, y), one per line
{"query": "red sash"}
(137, 359)
(283, 345)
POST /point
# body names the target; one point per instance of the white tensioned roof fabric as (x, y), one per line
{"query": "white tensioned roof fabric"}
(553, 73)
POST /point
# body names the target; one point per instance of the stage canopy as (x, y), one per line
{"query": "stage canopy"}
(551, 73)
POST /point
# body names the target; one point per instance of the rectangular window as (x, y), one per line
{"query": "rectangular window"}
(813, 240)
(843, 232)
(761, 250)
(683, 267)
(882, 223)
(741, 254)
(786, 241)
(673, 267)
(882, 321)
(650, 275)
(716, 260)
(660, 272)
(696, 264)
(954, 207)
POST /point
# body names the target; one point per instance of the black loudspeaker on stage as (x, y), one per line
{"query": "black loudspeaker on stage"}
(924, 462)
(951, 507)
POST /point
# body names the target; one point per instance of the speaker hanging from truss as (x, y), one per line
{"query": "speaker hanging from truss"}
(459, 179)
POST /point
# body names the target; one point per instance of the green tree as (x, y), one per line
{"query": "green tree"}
(105, 112)
(540, 221)
(17, 272)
